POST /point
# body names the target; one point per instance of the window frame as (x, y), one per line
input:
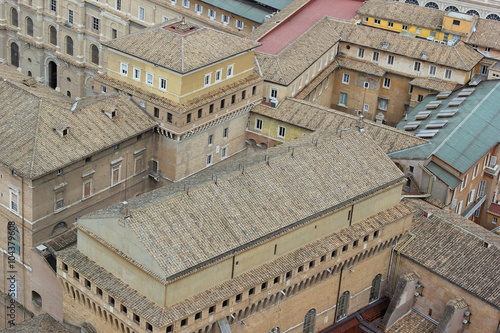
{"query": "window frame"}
(150, 78)
(141, 15)
(123, 68)
(281, 133)
(162, 83)
(387, 83)
(346, 78)
(343, 98)
(259, 124)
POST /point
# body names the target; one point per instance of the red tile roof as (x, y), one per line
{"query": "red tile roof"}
(299, 22)
(494, 209)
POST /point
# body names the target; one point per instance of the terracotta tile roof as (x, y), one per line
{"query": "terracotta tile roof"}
(412, 322)
(494, 209)
(180, 51)
(403, 13)
(43, 323)
(180, 107)
(62, 241)
(486, 34)
(233, 214)
(454, 248)
(434, 84)
(292, 61)
(29, 143)
(160, 316)
(314, 117)
(459, 56)
(360, 66)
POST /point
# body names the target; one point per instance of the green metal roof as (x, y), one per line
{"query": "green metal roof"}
(277, 4)
(444, 175)
(251, 11)
(467, 136)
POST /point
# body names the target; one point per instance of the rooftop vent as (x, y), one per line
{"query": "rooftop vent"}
(466, 92)
(456, 101)
(110, 111)
(433, 105)
(427, 133)
(423, 55)
(61, 129)
(447, 113)
(436, 124)
(385, 44)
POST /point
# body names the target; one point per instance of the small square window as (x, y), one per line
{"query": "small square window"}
(76, 275)
(170, 329)
(311, 264)
(88, 285)
(355, 243)
(323, 258)
(276, 280)
(251, 291)
(376, 21)
(184, 322)
(345, 248)
(137, 319)
(149, 327)
(197, 316)
(65, 267)
(334, 253)
(365, 239)
(238, 298)
(390, 24)
(375, 234)
(404, 27)
(123, 308)
(211, 108)
(211, 309)
(98, 291)
(225, 303)
(200, 112)
(288, 275)
(263, 286)
(111, 301)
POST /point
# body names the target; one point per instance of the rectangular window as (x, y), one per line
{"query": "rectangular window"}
(212, 14)
(116, 176)
(240, 25)
(95, 23)
(188, 118)
(416, 66)
(345, 78)
(137, 74)
(53, 5)
(274, 93)
(456, 22)
(156, 112)
(458, 210)
(218, 75)
(343, 99)
(186, 3)
(281, 131)
(390, 60)
(361, 53)
(387, 83)
(419, 31)
(376, 21)
(382, 103)
(225, 19)
(163, 84)
(200, 113)
(404, 27)
(230, 71)
(114, 33)
(209, 159)
(390, 24)
(70, 17)
(420, 98)
(222, 103)
(293, 89)
(447, 74)
(223, 152)
(211, 108)
(243, 94)
(366, 107)
(198, 8)
(14, 201)
(59, 203)
(225, 133)
(375, 56)
(432, 70)
(210, 139)
(142, 14)
(124, 69)
(87, 188)
(119, 4)
(208, 78)
(258, 124)
(138, 165)
(169, 117)
(149, 78)
(471, 196)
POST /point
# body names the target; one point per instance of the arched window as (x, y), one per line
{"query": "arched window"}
(472, 12)
(36, 298)
(412, 2)
(53, 35)
(14, 54)
(29, 26)
(94, 54)
(69, 45)
(14, 238)
(451, 9)
(432, 5)
(375, 290)
(14, 17)
(342, 305)
(59, 227)
(493, 17)
(309, 321)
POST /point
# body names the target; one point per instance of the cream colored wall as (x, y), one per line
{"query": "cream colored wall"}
(377, 203)
(126, 240)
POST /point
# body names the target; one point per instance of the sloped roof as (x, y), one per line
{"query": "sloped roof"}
(179, 51)
(467, 136)
(234, 213)
(403, 12)
(43, 323)
(486, 34)
(453, 247)
(314, 117)
(30, 115)
(434, 84)
(278, 4)
(251, 11)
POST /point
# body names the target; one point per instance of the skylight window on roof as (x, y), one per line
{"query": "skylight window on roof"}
(469, 89)
(443, 95)
(456, 101)
(465, 93)
(427, 133)
(422, 115)
(433, 105)
(447, 113)
(436, 124)
(412, 125)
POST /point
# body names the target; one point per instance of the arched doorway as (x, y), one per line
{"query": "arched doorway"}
(14, 54)
(52, 74)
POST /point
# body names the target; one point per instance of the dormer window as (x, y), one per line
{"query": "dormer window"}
(61, 129)
(110, 112)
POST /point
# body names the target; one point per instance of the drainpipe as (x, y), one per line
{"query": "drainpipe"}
(429, 187)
